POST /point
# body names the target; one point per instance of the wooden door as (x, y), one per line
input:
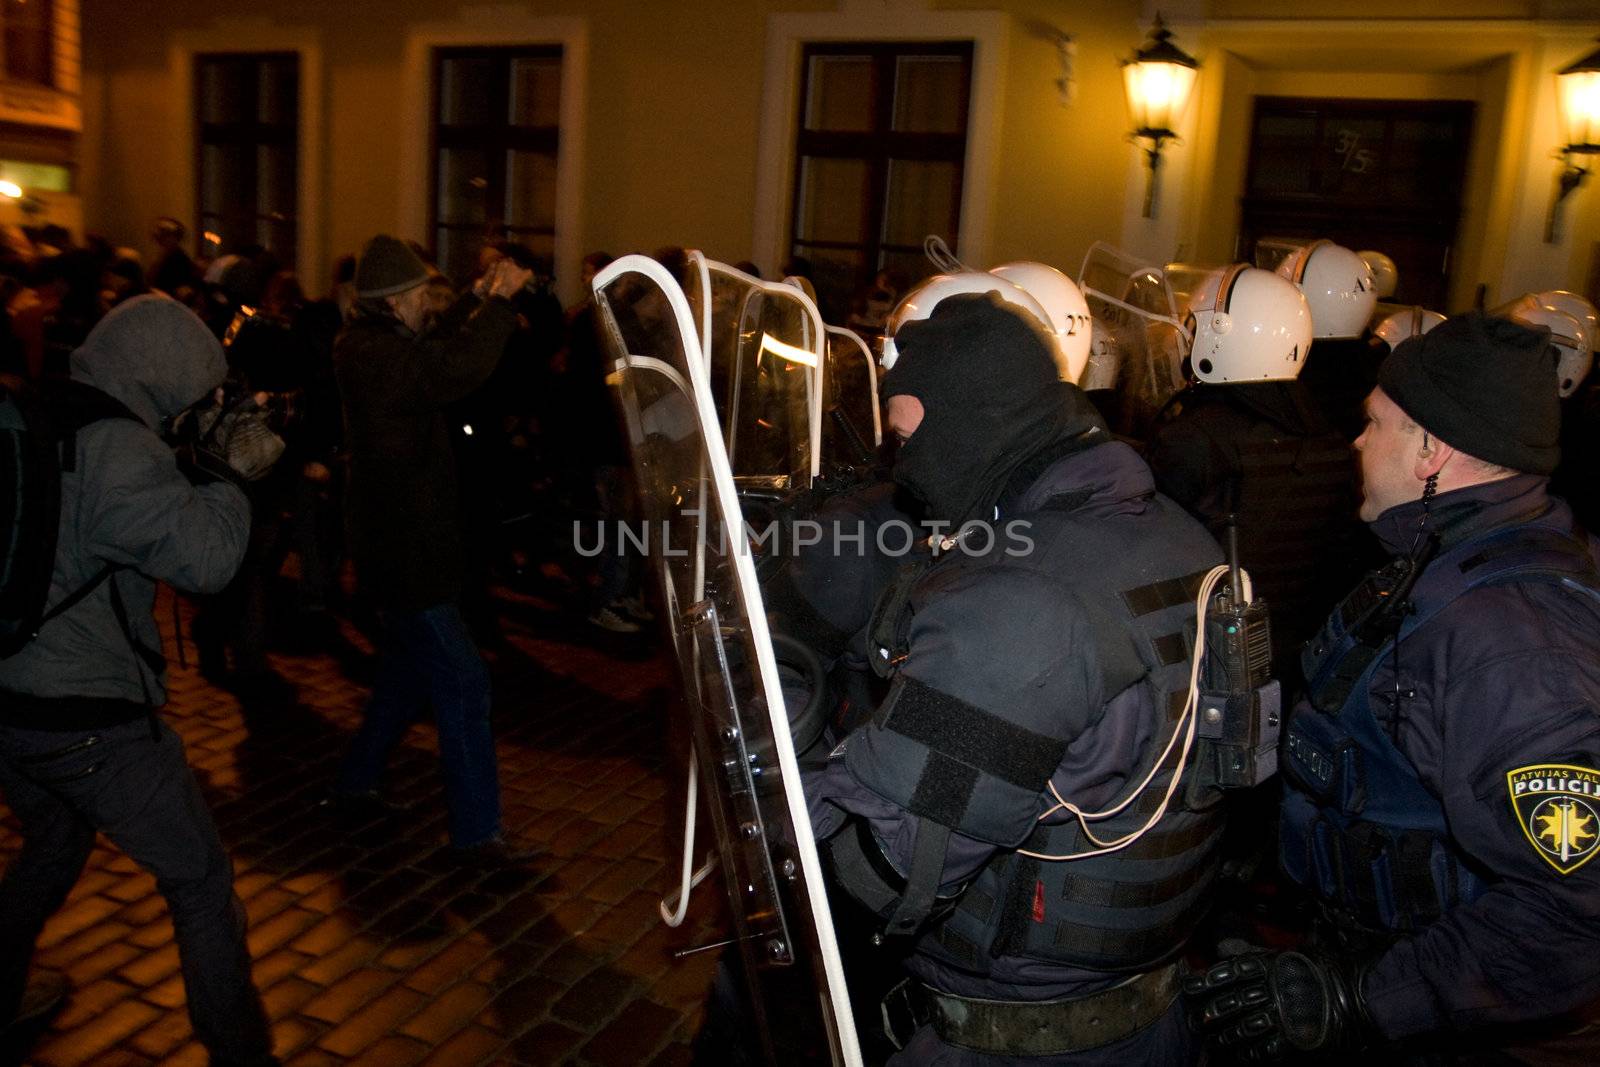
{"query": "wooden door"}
(1387, 175)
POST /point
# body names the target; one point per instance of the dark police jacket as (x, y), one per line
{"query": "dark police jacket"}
(1498, 721)
(404, 516)
(1261, 452)
(1024, 666)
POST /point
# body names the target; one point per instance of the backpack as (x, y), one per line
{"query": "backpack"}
(39, 424)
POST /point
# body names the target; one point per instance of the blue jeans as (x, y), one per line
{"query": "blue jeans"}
(138, 791)
(429, 657)
(614, 569)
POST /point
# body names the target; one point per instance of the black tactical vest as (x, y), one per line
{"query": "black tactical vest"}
(1124, 910)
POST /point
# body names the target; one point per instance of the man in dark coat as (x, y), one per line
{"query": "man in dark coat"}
(398, 374)
(1038, 660)
(1442, 776)
(1260, 452)
(173, 269)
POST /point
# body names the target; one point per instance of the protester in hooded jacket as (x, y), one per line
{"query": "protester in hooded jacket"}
(81, 747)
(1040, 649)
(1442, 774)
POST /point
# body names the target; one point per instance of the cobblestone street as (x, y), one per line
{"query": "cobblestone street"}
(369, 946)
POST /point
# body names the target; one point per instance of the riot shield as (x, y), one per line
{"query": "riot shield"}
(852, 425)
(782, 925)
(1139, 339)
(763, 347)
(1272, 252)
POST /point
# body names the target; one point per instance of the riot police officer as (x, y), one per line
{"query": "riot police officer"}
(1338, 285)
(1442, 776)
(1038, 665)
(1244, 442)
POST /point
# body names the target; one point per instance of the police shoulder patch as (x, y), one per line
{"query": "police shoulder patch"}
(1558, 807)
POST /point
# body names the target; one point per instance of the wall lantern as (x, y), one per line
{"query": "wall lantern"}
(1158, 79)
(1578, 100)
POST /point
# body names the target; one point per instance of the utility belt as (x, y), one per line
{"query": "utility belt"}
(1031, 1027)
(63, 714)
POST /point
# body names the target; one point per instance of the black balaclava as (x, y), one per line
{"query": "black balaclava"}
(991, 400)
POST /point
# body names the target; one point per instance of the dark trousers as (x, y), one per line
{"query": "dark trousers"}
(429, 657)
(140, 793)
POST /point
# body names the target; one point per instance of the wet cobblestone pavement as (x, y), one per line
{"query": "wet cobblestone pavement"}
(370, 947)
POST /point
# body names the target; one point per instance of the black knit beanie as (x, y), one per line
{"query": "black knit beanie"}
(1484, 385)
(388, 266)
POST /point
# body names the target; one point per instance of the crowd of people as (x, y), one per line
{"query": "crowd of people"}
(1001, 789)
(199, 423)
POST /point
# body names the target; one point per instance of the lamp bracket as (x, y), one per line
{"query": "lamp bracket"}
(1572, 176)
(1067, 55)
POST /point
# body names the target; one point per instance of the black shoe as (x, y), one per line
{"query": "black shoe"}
(45, 993)
(265, 686)
(495, 854)
(369, 804)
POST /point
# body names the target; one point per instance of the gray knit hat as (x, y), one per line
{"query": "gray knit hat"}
(388, 266)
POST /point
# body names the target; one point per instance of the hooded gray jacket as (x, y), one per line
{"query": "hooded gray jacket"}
(128, 504)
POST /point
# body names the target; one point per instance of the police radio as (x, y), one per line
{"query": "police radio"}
(1241, 706)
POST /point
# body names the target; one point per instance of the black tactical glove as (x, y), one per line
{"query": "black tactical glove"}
(233, 444)
(1262, 1007)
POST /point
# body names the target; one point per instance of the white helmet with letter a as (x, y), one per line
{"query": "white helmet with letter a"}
(1337, 286)
(1248, 325)
(920, 302)
(1569, 336)
(1407, 323)
(1063, 301)
(1385, 275)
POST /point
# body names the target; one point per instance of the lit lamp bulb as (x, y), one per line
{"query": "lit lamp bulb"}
(1580, 104)
(11, 190)
(1578, 94)
(1158, 80)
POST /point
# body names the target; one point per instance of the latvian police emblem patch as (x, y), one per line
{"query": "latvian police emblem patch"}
(1558, 807)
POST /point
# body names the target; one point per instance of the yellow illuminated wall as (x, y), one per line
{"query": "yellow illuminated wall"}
(674, 113)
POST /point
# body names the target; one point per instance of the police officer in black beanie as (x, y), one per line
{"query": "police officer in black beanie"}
(1041, 651)
(1442, 774)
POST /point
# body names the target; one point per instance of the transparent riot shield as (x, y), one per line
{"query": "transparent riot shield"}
(1139, 339)
(782, 925)
(763, 346)
(852, 427)
(1272, 252)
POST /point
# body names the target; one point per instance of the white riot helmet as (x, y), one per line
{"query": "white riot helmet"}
(1569, 336)
(1385, 276)
(1405, 324)
(1248, 325)
(1578, 308)
(1337, 286)
(920, 302)
(1063, 301)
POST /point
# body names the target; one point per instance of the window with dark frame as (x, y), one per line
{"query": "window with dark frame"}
(29, 32)
(496, 132)
(878, 161)
(247, 113)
